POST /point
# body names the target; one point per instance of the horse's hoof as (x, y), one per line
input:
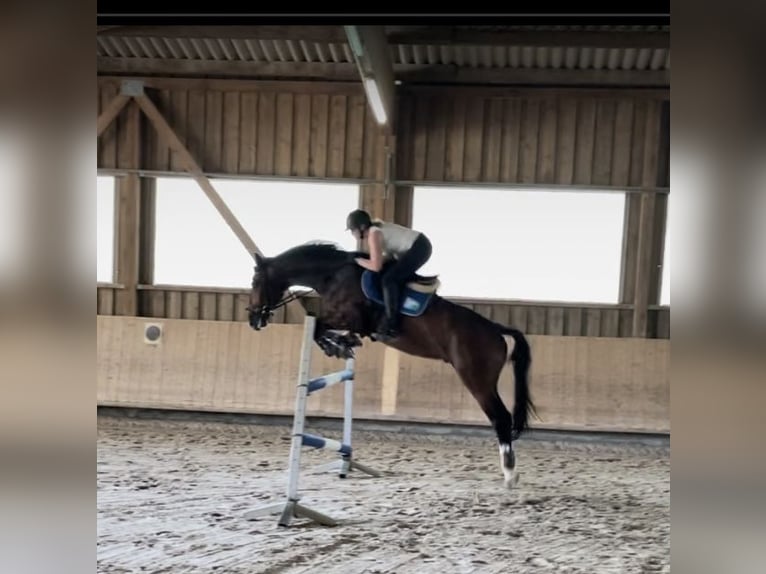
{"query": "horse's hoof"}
(512, 481)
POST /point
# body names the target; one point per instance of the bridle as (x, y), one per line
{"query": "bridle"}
(268, 310)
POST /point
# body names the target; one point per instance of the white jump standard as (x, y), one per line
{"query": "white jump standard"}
(291, 508)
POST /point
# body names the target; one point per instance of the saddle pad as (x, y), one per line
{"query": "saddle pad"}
(413, 303)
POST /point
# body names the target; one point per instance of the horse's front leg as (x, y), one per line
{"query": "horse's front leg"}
(335, 344)
(322, 339)
(330, 341)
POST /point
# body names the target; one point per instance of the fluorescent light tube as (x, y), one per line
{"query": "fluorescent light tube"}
(373, 95)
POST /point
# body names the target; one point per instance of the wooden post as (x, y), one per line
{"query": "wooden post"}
(647, 265)
(403, 202)
(128, 214)
(643, 265)
(629, 248)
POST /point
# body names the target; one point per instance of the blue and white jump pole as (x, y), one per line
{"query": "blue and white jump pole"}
(291, 508)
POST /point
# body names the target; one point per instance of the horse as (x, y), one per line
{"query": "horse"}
(473, 345)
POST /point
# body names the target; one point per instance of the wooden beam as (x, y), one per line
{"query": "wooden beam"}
(531, 76)
(186, 82)
(444, 35)
(112, 110)
(327, 34)
(195, 170)
(225, 68)
(374, 63)
(410, 73)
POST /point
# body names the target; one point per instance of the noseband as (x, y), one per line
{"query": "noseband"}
(269, 309)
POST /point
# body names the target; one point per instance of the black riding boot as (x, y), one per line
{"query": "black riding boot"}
(391, 300)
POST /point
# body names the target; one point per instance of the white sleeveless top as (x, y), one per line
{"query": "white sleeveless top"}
(397, 239)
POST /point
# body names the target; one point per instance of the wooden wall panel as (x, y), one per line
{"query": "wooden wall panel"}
(337, 135)
(509, 148)
(529, 137)
(455, 147)
(283, 154)
(530, 133)
(221, 366)
(105, 300)
(231, 136)
(302, 135)
(178, 119)
(213, 139)
(436, 153)
(324, 130)
(195, 126)
(569, 320)
(576, 382)
(352, 163)
(320, 108)
(534, 318)
(327, 131)
(564, 159)
(238, 128)
(248, 129)
(264, 159)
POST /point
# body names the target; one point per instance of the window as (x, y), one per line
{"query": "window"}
(105, 194)
(195, 246)
(519, 244)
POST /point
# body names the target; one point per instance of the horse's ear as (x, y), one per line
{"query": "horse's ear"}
(259, 260)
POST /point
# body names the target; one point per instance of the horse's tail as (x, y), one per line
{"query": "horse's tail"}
(522, 359)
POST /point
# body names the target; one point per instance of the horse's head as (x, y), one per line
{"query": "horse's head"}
(266, 292)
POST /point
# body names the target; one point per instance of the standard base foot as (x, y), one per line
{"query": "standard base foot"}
(365, 469)
(290, 510)
(344, 466)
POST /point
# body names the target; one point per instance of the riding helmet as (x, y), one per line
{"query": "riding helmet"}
(358, 219)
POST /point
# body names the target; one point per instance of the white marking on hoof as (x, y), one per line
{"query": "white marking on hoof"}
(511, 476)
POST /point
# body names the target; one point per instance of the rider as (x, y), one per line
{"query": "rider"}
(409, 249)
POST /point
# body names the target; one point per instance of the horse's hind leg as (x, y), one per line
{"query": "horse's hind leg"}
(483, 387)
(502, 421)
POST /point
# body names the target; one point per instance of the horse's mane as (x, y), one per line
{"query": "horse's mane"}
(315, 252)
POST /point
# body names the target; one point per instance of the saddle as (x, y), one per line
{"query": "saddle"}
(416, 295)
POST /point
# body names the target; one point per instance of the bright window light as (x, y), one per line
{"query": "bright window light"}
(518, 244)
(105, 195)
(194, 245)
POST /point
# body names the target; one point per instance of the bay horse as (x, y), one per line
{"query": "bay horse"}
(472, 344)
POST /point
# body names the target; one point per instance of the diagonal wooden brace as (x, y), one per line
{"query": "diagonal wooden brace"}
(167, 133)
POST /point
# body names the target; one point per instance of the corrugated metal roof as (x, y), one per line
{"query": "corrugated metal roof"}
(569, 28)
(478, 56)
